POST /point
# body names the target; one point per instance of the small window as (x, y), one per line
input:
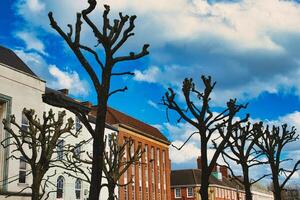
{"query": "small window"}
(77, 124)
(77, 150)
(78, 188)
(22, 170)
(60, 149)
(24, 122)
(60, 187)
(190, 192)
(177, 193)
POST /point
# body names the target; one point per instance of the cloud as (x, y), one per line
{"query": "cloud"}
(31, 42)
(54, 76)
(248, 46)
(153, 104)
(188, 154)
(35, 61)
(68, 79)
(34, 6)
(150, 75)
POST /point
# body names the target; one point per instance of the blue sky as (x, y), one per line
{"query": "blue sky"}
(251, 48)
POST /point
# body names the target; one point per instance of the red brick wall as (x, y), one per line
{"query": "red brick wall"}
(156, 145)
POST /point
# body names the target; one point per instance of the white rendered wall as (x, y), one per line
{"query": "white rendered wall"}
(69, 183)
(24, 91)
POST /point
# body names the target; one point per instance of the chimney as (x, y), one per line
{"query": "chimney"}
(199, 162)
(224, 171)
(87, 104)
(64, 91)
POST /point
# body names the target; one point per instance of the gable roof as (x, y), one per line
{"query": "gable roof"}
(114, 116)
(193, 177)
(9, 58)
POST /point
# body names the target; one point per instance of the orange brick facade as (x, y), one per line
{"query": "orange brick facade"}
(155, 187)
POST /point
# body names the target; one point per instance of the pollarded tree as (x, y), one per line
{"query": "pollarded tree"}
(111, 37)
(200, 116)
(241, 149)
(37, 145)
(118, 158)
(272, 144)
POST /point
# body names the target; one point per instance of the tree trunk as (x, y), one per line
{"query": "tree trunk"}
(247, 184)
(204, 171)
(111, 192)
(35, 188)
(98, 149)
(276, 188)
(96, 175)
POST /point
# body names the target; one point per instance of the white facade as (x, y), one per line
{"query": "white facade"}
(20, 90)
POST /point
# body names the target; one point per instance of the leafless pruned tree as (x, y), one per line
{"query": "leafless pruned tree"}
(118, 158)
(37, 145)
(241, 149)
(272, 143)
(111, 37)
(207, 124)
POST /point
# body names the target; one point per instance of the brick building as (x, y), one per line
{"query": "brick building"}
(152, 178)
(185, 185)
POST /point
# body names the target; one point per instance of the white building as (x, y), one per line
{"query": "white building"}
(19, 88)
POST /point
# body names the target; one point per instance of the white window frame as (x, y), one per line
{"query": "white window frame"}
(60, 149)
(78, 125)
(78, 182)
(22, 169)
(175, 194)
(187, 192)
(60, 180)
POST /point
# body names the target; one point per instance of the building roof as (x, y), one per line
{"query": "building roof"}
(193, 177)
(9, 58)
(114, 116)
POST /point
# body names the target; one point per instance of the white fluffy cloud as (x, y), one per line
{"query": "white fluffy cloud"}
(32, 42)
(54, 77)
(189, 153)
(248, 46)
(68, 79)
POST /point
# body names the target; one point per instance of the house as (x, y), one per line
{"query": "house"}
(152, 178)
(20, 87)
(186, 183)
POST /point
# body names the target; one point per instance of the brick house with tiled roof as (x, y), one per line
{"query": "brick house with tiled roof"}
(185, 185)
(152, 179)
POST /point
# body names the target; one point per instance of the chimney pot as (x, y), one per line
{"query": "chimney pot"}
(65, 91)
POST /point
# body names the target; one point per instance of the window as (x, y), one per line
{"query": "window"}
(190, 192)
(132, 173)
(22, 170)
(177, 193)
(146, 171)
(164, 173)
(60, 187)
(77, 124)
(60, 149)
(77, 150)
(24, 122)
(126, 174)
(158, 172)
(140, 173)
(78, 188)
(152, 173)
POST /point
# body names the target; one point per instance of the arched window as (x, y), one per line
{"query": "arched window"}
(60, 187)
(78, 188)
